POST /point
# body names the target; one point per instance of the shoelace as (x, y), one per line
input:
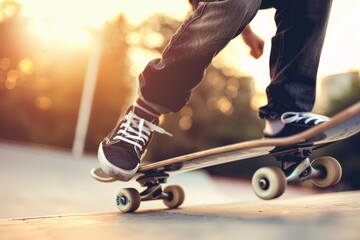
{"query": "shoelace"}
(290, 117)
(135, 129)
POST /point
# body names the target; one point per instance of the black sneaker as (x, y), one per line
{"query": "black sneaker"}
(296, 122)
(120, 152)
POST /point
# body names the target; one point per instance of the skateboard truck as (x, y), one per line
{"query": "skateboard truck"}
(300, 171)
(129, 199)
(297, 166)
(152, 182)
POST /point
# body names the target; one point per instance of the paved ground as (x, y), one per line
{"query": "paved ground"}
(52, 184)
(322, 216)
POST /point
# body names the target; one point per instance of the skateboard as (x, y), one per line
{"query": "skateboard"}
(292, 152)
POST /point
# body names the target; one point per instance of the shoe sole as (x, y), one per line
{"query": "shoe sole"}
(114, 171)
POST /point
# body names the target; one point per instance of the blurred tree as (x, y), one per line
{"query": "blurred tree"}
(41, 85)
(33, 83)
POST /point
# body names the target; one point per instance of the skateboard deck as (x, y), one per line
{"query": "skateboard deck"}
(293, 152)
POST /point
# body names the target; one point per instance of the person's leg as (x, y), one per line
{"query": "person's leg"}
(166, 82)
(294, 60)
(295, 55)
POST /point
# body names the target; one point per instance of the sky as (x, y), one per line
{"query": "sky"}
(340, 53)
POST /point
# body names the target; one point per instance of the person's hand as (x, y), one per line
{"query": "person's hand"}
(255, 43)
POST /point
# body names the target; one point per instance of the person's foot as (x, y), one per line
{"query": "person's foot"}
(120, 152)
(292, 123)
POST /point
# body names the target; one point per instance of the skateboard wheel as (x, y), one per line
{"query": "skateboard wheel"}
(330, 170)
(128, 200)
(269, 183)
(176, 196)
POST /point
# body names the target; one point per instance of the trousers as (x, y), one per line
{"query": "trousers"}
(167, 82)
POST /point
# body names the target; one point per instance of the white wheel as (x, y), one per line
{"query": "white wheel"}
(128, 200)
(269, 182)
(330, 169)
(176, 196)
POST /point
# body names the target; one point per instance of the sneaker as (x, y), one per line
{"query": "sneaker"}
(120, 152)
(292, 123)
